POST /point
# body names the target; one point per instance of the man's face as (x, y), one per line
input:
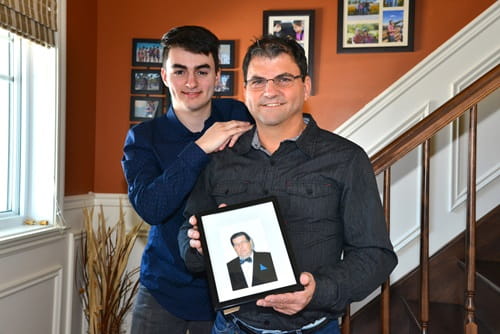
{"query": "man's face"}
(274, 106)
(242, 246)
(191, 79)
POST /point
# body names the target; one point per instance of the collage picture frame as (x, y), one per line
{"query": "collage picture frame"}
(375, 26)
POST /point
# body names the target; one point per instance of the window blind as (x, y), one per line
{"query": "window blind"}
(32, 19)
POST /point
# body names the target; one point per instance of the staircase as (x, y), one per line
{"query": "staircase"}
(456, 290)
(447, 286)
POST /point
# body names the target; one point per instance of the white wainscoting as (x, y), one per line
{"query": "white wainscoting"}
(32, 287)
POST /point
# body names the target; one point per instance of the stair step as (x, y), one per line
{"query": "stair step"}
(490, 272)
(445, 318)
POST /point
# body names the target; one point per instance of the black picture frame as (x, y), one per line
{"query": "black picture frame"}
(146, 52)
(262, 221)
(286, 20)
(226, 53)
(144, 108)
(225, 86)
(376, 26)
(146, 82)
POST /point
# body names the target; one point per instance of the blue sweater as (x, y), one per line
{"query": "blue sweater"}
(161, 163)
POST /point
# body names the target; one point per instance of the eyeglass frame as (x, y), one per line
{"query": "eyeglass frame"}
(287, 75)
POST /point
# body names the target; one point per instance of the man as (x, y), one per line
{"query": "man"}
(249, 268)
(162, 160)
(325, 189)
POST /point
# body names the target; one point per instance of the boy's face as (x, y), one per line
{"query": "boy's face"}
(191, 79)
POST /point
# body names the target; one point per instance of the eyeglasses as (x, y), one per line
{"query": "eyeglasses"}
(280, 81)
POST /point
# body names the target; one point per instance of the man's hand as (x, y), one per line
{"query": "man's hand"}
(222, 134)
(292, 302)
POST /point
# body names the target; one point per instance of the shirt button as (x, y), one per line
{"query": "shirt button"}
(266, 191)
(272, 162)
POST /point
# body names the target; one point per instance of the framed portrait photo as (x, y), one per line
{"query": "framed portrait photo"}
(375, 26)
(226, 53)
(298, 24)
(145, 108)
(225, 86)
(247, 238)
(147, 52)
(146, 82)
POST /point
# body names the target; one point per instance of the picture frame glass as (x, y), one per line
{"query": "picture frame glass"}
(145, 108)
(225, 85)
(147, 82)
(147, 52)
(226, 53)
(295, 26)
(375, 26)
(299, 25)
(274, 268)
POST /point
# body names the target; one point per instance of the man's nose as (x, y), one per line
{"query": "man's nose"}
(270, 88)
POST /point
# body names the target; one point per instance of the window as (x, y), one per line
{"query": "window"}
(28, 132)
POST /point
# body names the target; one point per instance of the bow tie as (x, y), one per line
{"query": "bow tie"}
(248, 259)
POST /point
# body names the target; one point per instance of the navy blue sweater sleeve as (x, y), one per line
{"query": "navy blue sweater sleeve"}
(156, 193)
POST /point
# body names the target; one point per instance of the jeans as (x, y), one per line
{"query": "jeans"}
(223, 326)
(149, 317)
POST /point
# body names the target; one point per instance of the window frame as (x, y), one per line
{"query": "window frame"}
(34, 202)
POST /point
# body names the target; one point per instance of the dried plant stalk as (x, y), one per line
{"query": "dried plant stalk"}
(106, 287)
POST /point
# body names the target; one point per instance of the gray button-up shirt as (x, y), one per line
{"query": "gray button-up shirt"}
(331, 207)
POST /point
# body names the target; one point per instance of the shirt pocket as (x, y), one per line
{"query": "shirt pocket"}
(231, 192)
(312, 199)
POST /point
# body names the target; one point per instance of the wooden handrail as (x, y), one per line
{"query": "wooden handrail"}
(434, 122)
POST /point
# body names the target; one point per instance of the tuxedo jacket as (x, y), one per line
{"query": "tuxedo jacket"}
(263, 271)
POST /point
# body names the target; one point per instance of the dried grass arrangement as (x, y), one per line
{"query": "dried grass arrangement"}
(106, 287)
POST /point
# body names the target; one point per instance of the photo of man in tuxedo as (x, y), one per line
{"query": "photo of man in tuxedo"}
(249, 268)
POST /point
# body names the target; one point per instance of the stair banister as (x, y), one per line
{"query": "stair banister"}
(420, 134)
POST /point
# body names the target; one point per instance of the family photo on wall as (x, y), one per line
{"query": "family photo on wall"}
(375, 26)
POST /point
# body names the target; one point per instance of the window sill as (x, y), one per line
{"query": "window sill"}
(16, 235)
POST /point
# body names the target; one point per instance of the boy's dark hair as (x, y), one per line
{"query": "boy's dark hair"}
(194, 39)
(272, 46)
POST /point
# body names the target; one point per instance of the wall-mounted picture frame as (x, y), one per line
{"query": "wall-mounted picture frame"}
(146, 52)
(298, 24)
(375, 26)
(146, 82)
(232, 235)
(225, 86)
(226, 53)
(143, 108)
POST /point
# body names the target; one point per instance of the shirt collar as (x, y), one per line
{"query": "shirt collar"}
(305, 141)
(172, 117)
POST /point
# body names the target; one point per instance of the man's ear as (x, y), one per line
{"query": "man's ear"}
(307, 87)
